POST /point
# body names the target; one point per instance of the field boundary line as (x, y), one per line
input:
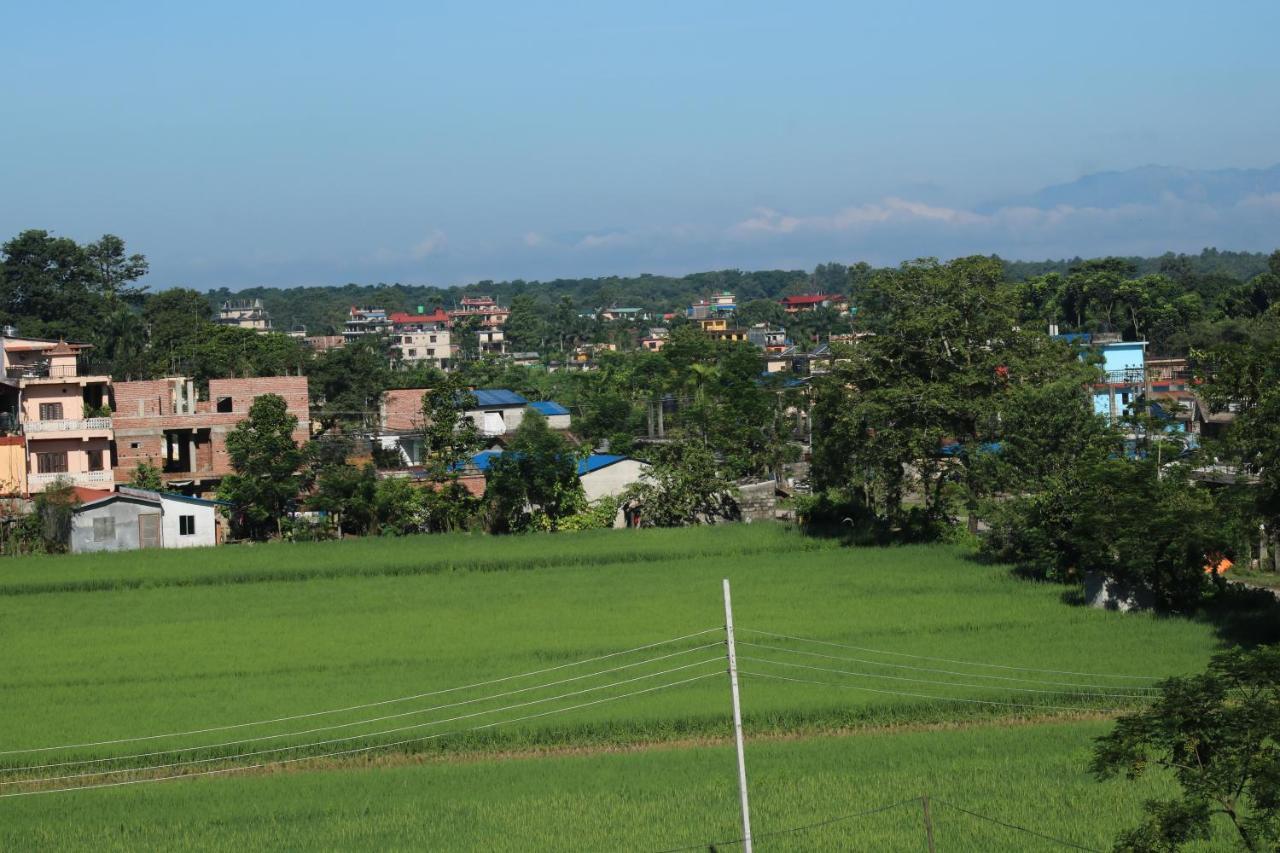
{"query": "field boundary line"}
(362, 749)
(367, 704)
(955, 661)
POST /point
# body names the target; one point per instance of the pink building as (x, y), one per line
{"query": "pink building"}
(63, 415)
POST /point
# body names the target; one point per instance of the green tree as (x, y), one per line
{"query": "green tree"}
(449, 437)
(346, 385)
(399, 507)
(176, 320)
(48, 287)
(683, 486)
(535, 482)
(1216, 735)
(266, 460)
(948, 358)
(762, 311)
(147, 476)
(525, 329)
(348, 495)
(1245, 377)
(114, 269)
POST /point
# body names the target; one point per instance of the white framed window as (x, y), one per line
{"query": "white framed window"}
(186, 525)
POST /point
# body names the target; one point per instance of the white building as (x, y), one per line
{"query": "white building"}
(136, 518)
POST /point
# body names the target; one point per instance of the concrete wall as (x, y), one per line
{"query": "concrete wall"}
(69, 395)
(206, 523)
(1123, 356)
(144, 410)
(559, 421)
(613, 479)
(124, 511)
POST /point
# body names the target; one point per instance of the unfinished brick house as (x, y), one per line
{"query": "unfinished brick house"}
(161, 422)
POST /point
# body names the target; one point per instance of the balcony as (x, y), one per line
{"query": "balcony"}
(66, 425)
(88, 479)
(41, 370)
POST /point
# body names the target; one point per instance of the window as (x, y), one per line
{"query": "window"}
(134, 445)
(433, 339)
(431, 351)
(51, 463)
(95, 460)
(412, 352)
(104, 529)
(186, 525)
(224, 404)
(50, 411)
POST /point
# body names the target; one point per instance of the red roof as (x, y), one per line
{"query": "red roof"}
(88, 495)
(438, 316)
(812, 299)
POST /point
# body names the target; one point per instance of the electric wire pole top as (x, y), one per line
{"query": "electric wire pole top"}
(737, 718)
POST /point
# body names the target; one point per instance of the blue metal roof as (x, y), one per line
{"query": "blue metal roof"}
(498, 397)
(549, 408)
(483, 460)
(596, 461)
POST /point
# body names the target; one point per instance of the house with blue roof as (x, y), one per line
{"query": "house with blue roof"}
(557, 415)
(601, 474)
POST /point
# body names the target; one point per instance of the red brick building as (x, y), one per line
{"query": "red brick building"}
(161, 422)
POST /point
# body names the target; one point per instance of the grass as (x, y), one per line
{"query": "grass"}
(104, 647)
(1033, 776)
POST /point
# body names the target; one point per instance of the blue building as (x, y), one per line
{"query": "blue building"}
(1124, 364)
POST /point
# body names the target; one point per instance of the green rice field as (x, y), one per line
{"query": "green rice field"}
(557, 692)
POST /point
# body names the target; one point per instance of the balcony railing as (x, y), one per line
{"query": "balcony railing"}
(89, 479)
(42, 370)
(68, 425)
(1128, 376)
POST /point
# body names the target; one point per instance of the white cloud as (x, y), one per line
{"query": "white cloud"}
(533, 240)
(429, 245)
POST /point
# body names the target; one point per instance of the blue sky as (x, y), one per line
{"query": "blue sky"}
(272, 143)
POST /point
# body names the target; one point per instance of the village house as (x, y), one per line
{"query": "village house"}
(813, 301)
(365, 321)
(136, 518)
(717, 305)
(422, 338)
(63, 415)
(245, 314)
(161, 422)
(491, 314)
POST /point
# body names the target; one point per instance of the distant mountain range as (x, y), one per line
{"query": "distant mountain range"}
(1147, 185)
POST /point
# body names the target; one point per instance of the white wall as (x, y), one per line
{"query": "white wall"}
(613, 479)
(206, 532)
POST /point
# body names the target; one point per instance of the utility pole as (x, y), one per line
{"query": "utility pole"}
(737, 718)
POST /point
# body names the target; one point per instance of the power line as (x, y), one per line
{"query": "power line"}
(194, 761)
(363, 748)
(280, 735)
(1061, 841)
(922, 695)
(802, 828)
(945, 683)
(367, 704)
(960, 662)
